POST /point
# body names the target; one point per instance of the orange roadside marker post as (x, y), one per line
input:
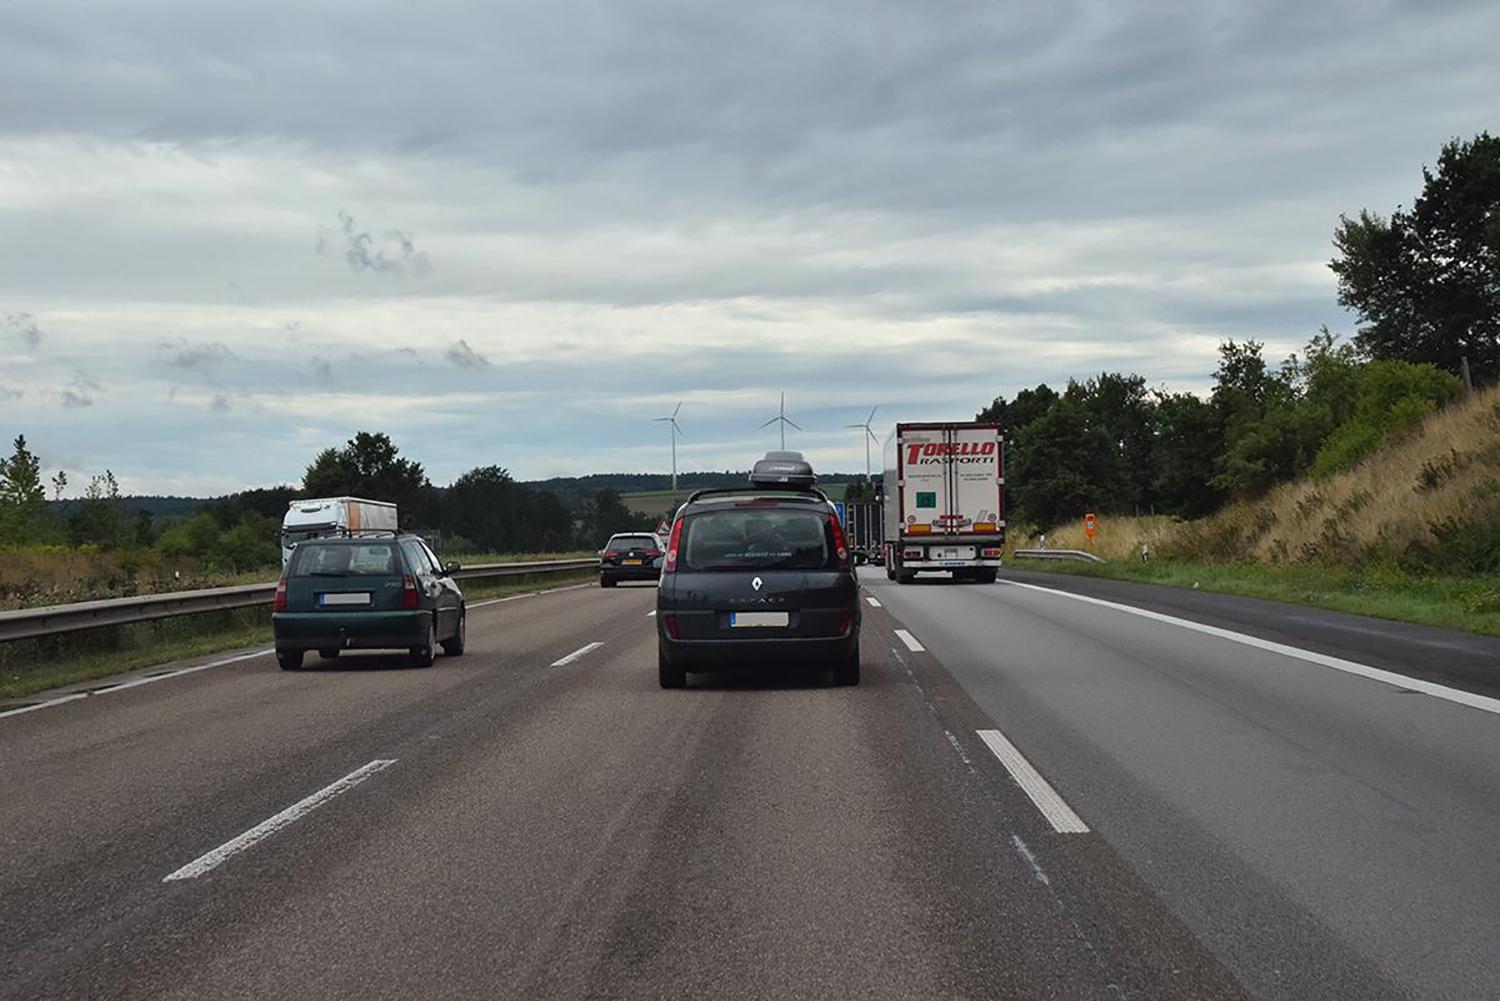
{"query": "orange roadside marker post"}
(1089, 524)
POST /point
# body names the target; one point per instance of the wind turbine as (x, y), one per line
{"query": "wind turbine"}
(782, 419)
(672, 420)
(869, 436)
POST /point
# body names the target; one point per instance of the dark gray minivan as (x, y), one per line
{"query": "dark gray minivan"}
(758, 576)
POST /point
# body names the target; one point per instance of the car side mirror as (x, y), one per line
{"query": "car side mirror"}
(451, 569)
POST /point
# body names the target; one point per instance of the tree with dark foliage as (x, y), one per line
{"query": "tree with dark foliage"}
(1426, 282)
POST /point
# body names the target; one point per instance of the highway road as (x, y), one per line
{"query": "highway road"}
(1029, 796)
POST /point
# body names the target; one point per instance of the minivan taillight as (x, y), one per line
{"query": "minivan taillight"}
(409, 597)
(839, 547)
(279, 603)
(670, 564)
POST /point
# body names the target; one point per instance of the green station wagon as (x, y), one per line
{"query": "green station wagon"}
(365, 593)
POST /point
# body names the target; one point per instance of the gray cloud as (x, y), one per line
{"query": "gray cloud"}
(322, 371)
(363, 254)
(11, 392)
(463, 356)
(202, 359)
(80, 392)
(24, 326)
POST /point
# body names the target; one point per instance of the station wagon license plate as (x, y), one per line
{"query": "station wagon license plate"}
(357, 598)
(741, 620)
(631, 563)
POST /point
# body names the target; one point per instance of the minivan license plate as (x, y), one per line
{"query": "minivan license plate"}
(740, 620)
(360, 598)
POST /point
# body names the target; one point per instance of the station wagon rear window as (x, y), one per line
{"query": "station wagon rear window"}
(343, 560)
(756, 539)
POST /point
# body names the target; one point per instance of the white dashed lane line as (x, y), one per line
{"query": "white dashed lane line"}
(581, 651)
(269, 826)
(910, 641)
(873, 602)
(1058, 813)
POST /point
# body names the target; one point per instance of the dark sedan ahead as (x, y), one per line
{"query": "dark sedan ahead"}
(633, 556)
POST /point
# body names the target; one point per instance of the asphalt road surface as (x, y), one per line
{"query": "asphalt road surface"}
(1205, 819)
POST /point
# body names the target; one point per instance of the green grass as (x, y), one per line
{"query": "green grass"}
(28, 666)
(1469, 603)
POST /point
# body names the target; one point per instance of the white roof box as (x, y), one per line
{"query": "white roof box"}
(783, 469)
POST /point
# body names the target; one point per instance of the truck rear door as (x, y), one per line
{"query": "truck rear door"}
(973, 478)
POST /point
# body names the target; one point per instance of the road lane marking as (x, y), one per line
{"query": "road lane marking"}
(872, 601)
(525, 594)
(271, 825)
(1025, 852)
(651, 614)
(581, 651)
(138, 682)
(1058, 813)
(1454, 695)
(910, 641)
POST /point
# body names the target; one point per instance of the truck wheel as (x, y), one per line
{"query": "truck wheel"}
(905, 576)
(290, 660)
(454, 646)
(424, 655)
(331, 653)
(669, 675)
(847, 671)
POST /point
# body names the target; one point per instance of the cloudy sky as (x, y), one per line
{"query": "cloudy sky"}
(232, 234)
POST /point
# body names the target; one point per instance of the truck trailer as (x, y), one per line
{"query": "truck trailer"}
(322, 517)
(944, 501)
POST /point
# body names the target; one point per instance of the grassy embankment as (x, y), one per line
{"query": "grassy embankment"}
(33, 665)
(1412, 533)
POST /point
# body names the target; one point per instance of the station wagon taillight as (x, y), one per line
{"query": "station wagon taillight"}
(409, 597)
(278, 604)
(670, 565)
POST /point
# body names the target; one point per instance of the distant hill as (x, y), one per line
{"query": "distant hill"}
(572, 490)
(160, 507)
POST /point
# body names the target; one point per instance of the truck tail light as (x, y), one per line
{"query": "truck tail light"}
(670, 564)
(911, 554)
(992, 554)
(409, 597)
(669, 623)
(278, 604)
(840, 547)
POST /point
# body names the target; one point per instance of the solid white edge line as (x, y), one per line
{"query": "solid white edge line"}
(1058, 813)
(271, 825)
(872, 601)
(581, 651)
(137, 682)
(910, 641)
(1454, 695)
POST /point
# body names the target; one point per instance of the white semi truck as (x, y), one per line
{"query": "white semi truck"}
(944, 501)
(317, 518)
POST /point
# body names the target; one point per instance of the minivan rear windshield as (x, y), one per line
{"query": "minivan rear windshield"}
(371, 559)
(756, 539)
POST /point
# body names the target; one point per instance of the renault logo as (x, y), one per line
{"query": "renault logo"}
(756, 583)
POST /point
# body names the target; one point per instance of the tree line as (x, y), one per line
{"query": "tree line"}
(1425, 285)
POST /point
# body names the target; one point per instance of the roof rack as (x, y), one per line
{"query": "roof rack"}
(759, 488)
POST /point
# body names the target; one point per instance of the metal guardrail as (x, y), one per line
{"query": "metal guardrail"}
(1056, 554)
(49, 620)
